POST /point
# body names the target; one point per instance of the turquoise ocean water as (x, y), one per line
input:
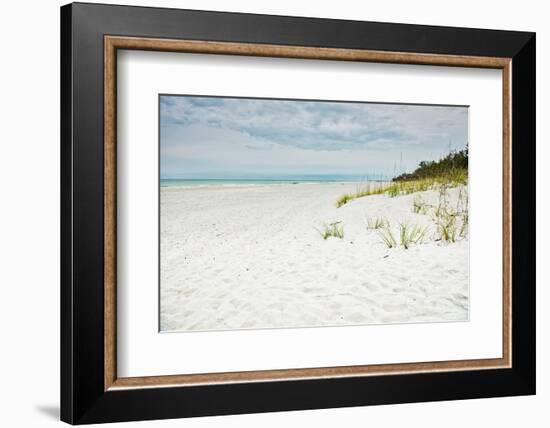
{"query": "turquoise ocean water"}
(184, 182)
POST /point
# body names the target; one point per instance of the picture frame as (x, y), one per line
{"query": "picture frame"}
(91, 390)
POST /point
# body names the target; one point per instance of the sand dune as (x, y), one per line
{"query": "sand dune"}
(243, 257)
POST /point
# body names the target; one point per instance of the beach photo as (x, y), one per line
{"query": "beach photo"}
(283, 213)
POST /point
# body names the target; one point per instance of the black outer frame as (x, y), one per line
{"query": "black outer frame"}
(83, 399)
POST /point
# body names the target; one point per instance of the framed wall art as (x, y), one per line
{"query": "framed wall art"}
(265, 213)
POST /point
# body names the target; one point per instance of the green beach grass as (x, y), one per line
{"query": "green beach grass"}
(335, 230)
(452, 171)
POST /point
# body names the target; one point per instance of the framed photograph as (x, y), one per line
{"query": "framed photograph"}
(265, 213)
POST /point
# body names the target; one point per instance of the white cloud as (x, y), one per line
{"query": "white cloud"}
(228, 135)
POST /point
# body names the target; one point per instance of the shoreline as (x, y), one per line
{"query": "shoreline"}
(261, 183)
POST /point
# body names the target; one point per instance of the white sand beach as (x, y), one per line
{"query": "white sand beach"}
(246, 257)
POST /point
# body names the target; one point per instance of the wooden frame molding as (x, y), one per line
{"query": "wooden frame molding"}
(113, 43)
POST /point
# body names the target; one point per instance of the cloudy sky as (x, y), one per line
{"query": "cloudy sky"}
(210, 137)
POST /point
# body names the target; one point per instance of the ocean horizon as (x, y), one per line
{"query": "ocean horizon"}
(190, 182)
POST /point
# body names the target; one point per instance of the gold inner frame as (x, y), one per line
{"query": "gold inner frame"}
(113, 43)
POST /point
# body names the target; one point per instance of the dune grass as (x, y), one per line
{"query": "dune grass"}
(398, 188)
(335, 230)
(447, 228)
(387, 237)
(408, 235)
(452, 223)
(450, 218)
(462, 209)
(419, 206)
(375, 223)
(344, 199)
(465, 225)
(451, 169)
(365, 189)
(411, 234)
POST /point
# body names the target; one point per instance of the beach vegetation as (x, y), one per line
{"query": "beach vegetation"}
(419, 206)
(344, 199)
(451, 170)
(393, 191)
(451, 223)
(462, 209)
(387, 237)
(364, 189)
(464, 227)
(411, 234)
(447, 227)
(375, 223)
(335, 229)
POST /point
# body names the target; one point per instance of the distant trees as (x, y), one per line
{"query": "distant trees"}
(454, 165)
